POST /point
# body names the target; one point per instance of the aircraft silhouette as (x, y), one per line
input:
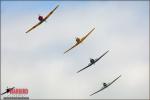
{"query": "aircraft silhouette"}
(80, 40)
(8, 90)
(42, 19)
(105, 85)
(93, 61)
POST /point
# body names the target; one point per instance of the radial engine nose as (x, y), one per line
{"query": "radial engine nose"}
(40, 18)
(78, 40)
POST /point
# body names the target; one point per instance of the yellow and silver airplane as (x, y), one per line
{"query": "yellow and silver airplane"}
(80, 40)
(42, 19)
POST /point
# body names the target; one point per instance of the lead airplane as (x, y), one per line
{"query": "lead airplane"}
(105, 85)
(80, 40)
(92, 61)
(8, 90)
(42, 19)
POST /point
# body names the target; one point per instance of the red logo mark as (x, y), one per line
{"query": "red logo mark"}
(19, 91)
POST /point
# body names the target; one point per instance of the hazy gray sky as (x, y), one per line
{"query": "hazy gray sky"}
(36, 60)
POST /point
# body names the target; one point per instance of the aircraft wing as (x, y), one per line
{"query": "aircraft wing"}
(98, 91)
(91, 63)
(43, 19)
(51, 12)
(4, 93)
(84, 68)
(101, 56)
(113, 81)
(34, 26)
(106, 87)
(71, 48)
(87, 34)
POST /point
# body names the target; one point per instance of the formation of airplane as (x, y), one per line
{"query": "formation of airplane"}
(42, 19)
(105, 85)
(80, 40)
(8, 90)
(93, 61)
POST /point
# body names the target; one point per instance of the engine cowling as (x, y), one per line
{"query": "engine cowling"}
(40, 18)
(78, 40)
(92, 61)
(104, 84)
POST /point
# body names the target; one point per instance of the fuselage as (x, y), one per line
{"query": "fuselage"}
(40, 18)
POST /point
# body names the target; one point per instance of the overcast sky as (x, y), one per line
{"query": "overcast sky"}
(36, 60)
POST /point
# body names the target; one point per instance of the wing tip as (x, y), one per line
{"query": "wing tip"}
(91, 94)
(57, 6)
(93, 29)
(65, 52)
(77, 71)
(80, 70)
(28, 31)
(107, 51)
